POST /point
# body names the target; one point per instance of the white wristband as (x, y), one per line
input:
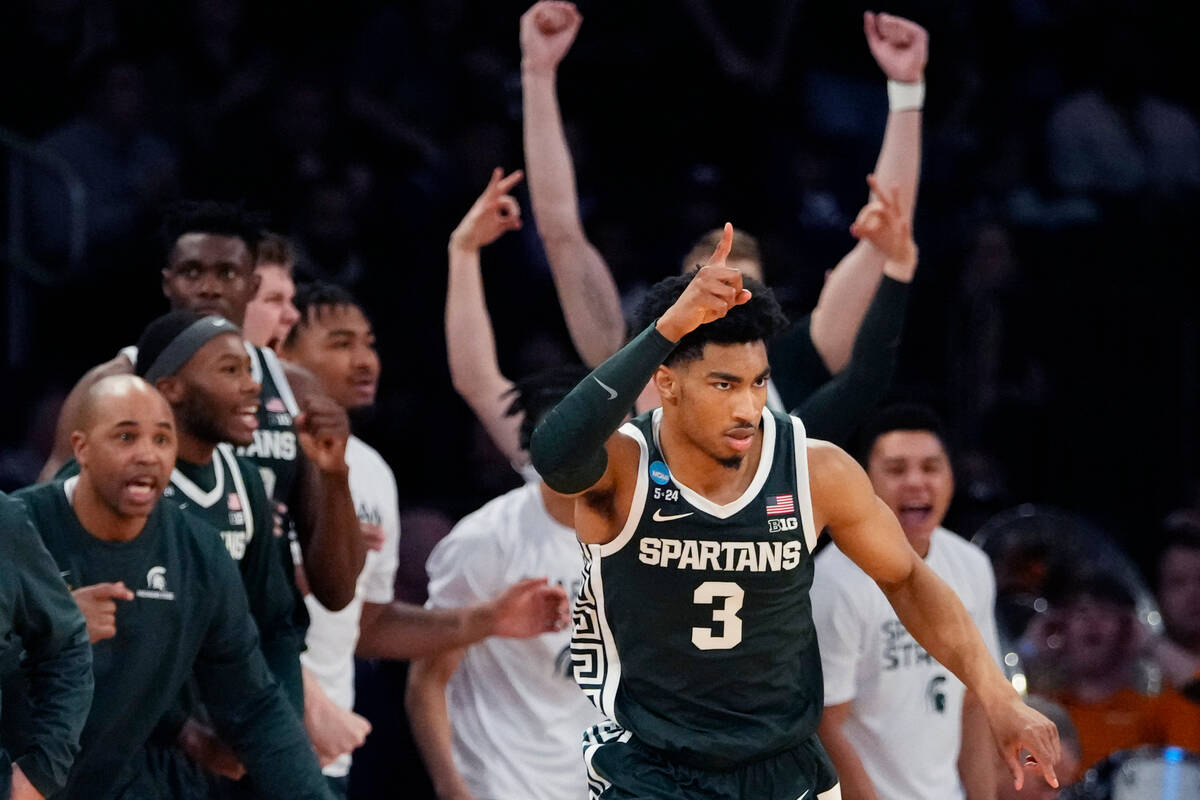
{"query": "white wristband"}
(906, 96)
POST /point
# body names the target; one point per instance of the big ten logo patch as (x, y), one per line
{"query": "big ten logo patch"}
(900, 650)
(783, 525)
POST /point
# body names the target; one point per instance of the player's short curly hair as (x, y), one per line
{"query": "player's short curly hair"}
(218, 218)
(534, 395)
(310, 301)
(760, 318)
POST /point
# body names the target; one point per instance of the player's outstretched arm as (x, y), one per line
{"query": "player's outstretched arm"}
(400, 630)
(572, 445)
(901, 48)
(865, 530)
(976, 764)
(425, 701)
(590, 301)
(470, 342)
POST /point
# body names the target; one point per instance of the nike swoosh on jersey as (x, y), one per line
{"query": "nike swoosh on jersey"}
(612, 393)
(659, 517)
(801, 797)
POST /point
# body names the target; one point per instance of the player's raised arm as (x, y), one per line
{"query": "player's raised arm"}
(901, 48)
(470, 342)
(569, 446)
(865, 530)
(834, 410)
(586, 290)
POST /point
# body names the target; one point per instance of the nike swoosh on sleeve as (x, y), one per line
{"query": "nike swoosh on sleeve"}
(612, 393)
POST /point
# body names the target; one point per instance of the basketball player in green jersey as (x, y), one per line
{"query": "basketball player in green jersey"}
(210, 267)
(694, 630)
(201, 368)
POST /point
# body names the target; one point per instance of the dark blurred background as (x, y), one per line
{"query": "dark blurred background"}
(1054, 320)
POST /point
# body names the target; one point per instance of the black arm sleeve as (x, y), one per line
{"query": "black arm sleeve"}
(568, 445)
(797, 369)
(58, 657)
(246, 705)
(835, 410)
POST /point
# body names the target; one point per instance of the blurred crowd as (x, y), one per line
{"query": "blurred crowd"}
(1053, 320)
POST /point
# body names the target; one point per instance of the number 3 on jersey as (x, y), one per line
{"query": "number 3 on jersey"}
(708, 593)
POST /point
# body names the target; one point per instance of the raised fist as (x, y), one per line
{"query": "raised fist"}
(547, 31)
(900, 47)
(323, 430)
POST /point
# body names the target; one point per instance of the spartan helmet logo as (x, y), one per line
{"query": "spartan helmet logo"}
(156, 579)
(935, 695)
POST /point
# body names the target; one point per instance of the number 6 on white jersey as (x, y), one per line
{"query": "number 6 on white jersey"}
(707, 593)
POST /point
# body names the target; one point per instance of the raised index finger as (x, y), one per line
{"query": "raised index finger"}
(723, 247)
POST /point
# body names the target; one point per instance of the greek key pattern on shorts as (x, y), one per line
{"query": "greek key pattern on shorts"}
(594, 738)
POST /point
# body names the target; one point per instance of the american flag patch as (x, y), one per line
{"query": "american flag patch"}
(780, 504)
(235, 502)
(275, 406)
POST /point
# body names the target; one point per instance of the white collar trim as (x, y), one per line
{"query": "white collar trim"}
(760, 476)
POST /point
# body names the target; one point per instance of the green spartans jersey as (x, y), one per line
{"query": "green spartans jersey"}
(275, 448)
(694, 629)
(227, 495)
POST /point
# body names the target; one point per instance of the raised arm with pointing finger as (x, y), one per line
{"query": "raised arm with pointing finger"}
(589, 297)
(710, 700)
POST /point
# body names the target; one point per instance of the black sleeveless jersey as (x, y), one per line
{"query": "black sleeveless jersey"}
(227, 495)
(694, 627)
(275, 447)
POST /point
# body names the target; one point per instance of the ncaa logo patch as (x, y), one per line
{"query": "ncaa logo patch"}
(659, 473)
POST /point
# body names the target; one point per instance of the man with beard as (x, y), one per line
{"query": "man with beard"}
(211, 252)
(165, 604)
(693, 630)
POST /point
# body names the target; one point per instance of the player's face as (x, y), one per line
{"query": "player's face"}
(1095, 637)
(272, 312)
(1179, 595)
(911, 473)
(718, 400)
(210, 274)
(216, 397)
(128, 451)
(337, 345)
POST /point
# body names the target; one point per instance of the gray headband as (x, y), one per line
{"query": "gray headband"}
(185, 345)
